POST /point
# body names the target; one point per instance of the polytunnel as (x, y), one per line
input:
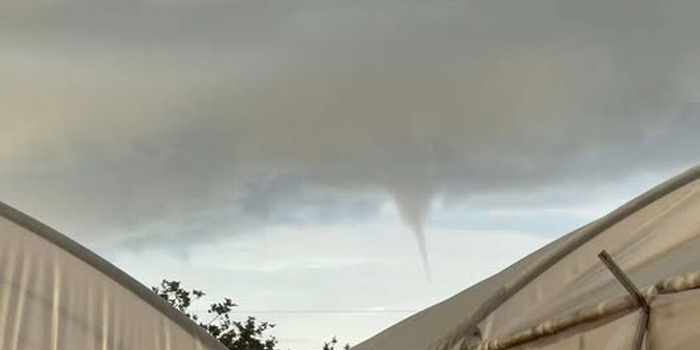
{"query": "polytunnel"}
(564, 297)
(57, 295)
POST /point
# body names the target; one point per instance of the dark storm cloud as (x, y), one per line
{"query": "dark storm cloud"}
(140, 110)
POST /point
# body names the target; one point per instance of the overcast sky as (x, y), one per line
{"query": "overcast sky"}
(323, 155)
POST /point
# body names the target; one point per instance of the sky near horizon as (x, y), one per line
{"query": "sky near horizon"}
(334, 166)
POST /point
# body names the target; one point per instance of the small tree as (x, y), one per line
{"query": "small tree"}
(235, 335)
(331, 345)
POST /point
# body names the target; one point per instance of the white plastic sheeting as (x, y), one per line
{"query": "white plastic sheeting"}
(56, 295)
(615, 334)
(675, 321)
(653, 237)
(649, 245)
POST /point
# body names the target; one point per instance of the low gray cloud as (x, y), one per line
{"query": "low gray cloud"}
(116, 115)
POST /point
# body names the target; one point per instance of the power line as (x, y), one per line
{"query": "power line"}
(314, 311)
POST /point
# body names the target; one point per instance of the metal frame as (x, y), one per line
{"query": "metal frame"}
(634, 292)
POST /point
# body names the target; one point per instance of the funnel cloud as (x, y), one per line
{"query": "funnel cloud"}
(413, 202)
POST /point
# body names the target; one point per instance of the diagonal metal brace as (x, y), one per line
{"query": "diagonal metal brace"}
(624, 280)
(634, 292)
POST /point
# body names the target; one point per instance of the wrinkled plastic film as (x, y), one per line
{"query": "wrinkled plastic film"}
(649, 245)
(51, 299)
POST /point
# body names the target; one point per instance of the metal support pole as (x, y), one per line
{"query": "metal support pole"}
(635, 293)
